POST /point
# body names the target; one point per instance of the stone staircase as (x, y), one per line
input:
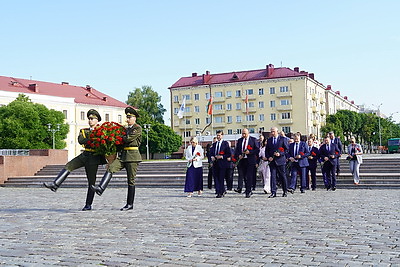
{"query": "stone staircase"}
(379, 172)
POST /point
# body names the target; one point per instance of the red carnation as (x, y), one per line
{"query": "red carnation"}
(103, 141)
(281, 149)
(198, 153)
(358, 149)
(117, 142)
(233, 158)
(110, 138)
(313, 154)
(91, 135)
(249, 147)
(337, 153)
(302, 153)
(222, 153)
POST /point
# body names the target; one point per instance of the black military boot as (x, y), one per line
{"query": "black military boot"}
(130, 198)
(89, 199)
(53, 186)
(103, 184)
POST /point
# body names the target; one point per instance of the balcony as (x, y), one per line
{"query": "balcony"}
(323, 112)
(249, 123)
(251, 110)
(285, 107)
(249, 97)
(218, 112)
(218, 99)
(220, 125)
(285, 121)
(314, 96)
(322, 100)
(315, 122)
(314, 109)
(284, 94)
(183, 126)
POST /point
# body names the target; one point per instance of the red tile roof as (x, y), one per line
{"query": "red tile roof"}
(240, 76)
(82, 95)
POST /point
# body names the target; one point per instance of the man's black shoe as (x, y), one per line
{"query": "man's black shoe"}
(238, 191)
(272, 195)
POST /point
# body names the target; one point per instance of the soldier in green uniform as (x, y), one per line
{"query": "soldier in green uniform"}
(86, 159)
(129, 159)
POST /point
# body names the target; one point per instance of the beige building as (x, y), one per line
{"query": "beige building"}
(73, 101)
(292, 100)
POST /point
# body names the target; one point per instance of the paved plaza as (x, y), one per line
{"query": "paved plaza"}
(318, 228)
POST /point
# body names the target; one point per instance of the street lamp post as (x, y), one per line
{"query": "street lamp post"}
(379, 124)
(147, 129)
(52, 130)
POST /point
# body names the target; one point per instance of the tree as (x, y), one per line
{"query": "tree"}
(23, 125)
(147, 100)
(162, 139)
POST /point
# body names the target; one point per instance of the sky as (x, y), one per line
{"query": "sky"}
(117, 46)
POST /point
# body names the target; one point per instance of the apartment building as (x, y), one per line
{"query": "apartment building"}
(291, 99)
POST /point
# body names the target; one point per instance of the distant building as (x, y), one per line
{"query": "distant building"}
(292, 100)
(73, 101)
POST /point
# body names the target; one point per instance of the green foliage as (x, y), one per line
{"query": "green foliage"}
(23, 125)
(148, 101)
(364, 126)
(162, 139)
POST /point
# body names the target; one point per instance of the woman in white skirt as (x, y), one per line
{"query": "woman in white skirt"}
(263, 168)
(354, 151)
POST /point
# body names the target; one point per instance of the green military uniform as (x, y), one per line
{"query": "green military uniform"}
(129, 159)
(130, 156)
(86, 159)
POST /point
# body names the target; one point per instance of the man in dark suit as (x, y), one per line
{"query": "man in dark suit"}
(231, 170)
(246, 152)
(312, 164)
(336, 140)
(220, 152)
(275, 151)
(329, 154)
(297, 155)
(210, 170)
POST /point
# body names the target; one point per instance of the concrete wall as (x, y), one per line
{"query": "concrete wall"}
(11, 166)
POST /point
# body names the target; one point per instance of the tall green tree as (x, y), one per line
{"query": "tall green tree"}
(162, 139)
(23, 125)
(148, 100)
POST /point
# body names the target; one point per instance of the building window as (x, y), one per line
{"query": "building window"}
(238, 131)
(196, 96)
(261, 117)
(187, 134)
(228, 106)
(272, 103)
(176, 110)
(249, 92)
(273, 116)
(218, 119)
(261, 130)
(229, 94)
(238, 93)
(229, 119)
(196, 109)
(238, 118)
(261, 91)
(238, 106)
(229, 131)
(197, 121)
(187, 97)
(285, 115)
(207, 96)
(284, 89)
(218, 107)
(284, 102)
(176, 98)
(119, 118)
(286, 129)
(250, 117)
(107, 117)
(261, 104)
(272, 90)
(82, 116)
(251, 104)
(218, 94)
(65, 112)
(208, 120)
(187, 121)
(187, 109)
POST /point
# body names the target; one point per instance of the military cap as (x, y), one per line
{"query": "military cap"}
(92, 113)
(129, 111)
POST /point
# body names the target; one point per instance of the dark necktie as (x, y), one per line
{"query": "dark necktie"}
(244, 144)
(218, 147)
(296, 149)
